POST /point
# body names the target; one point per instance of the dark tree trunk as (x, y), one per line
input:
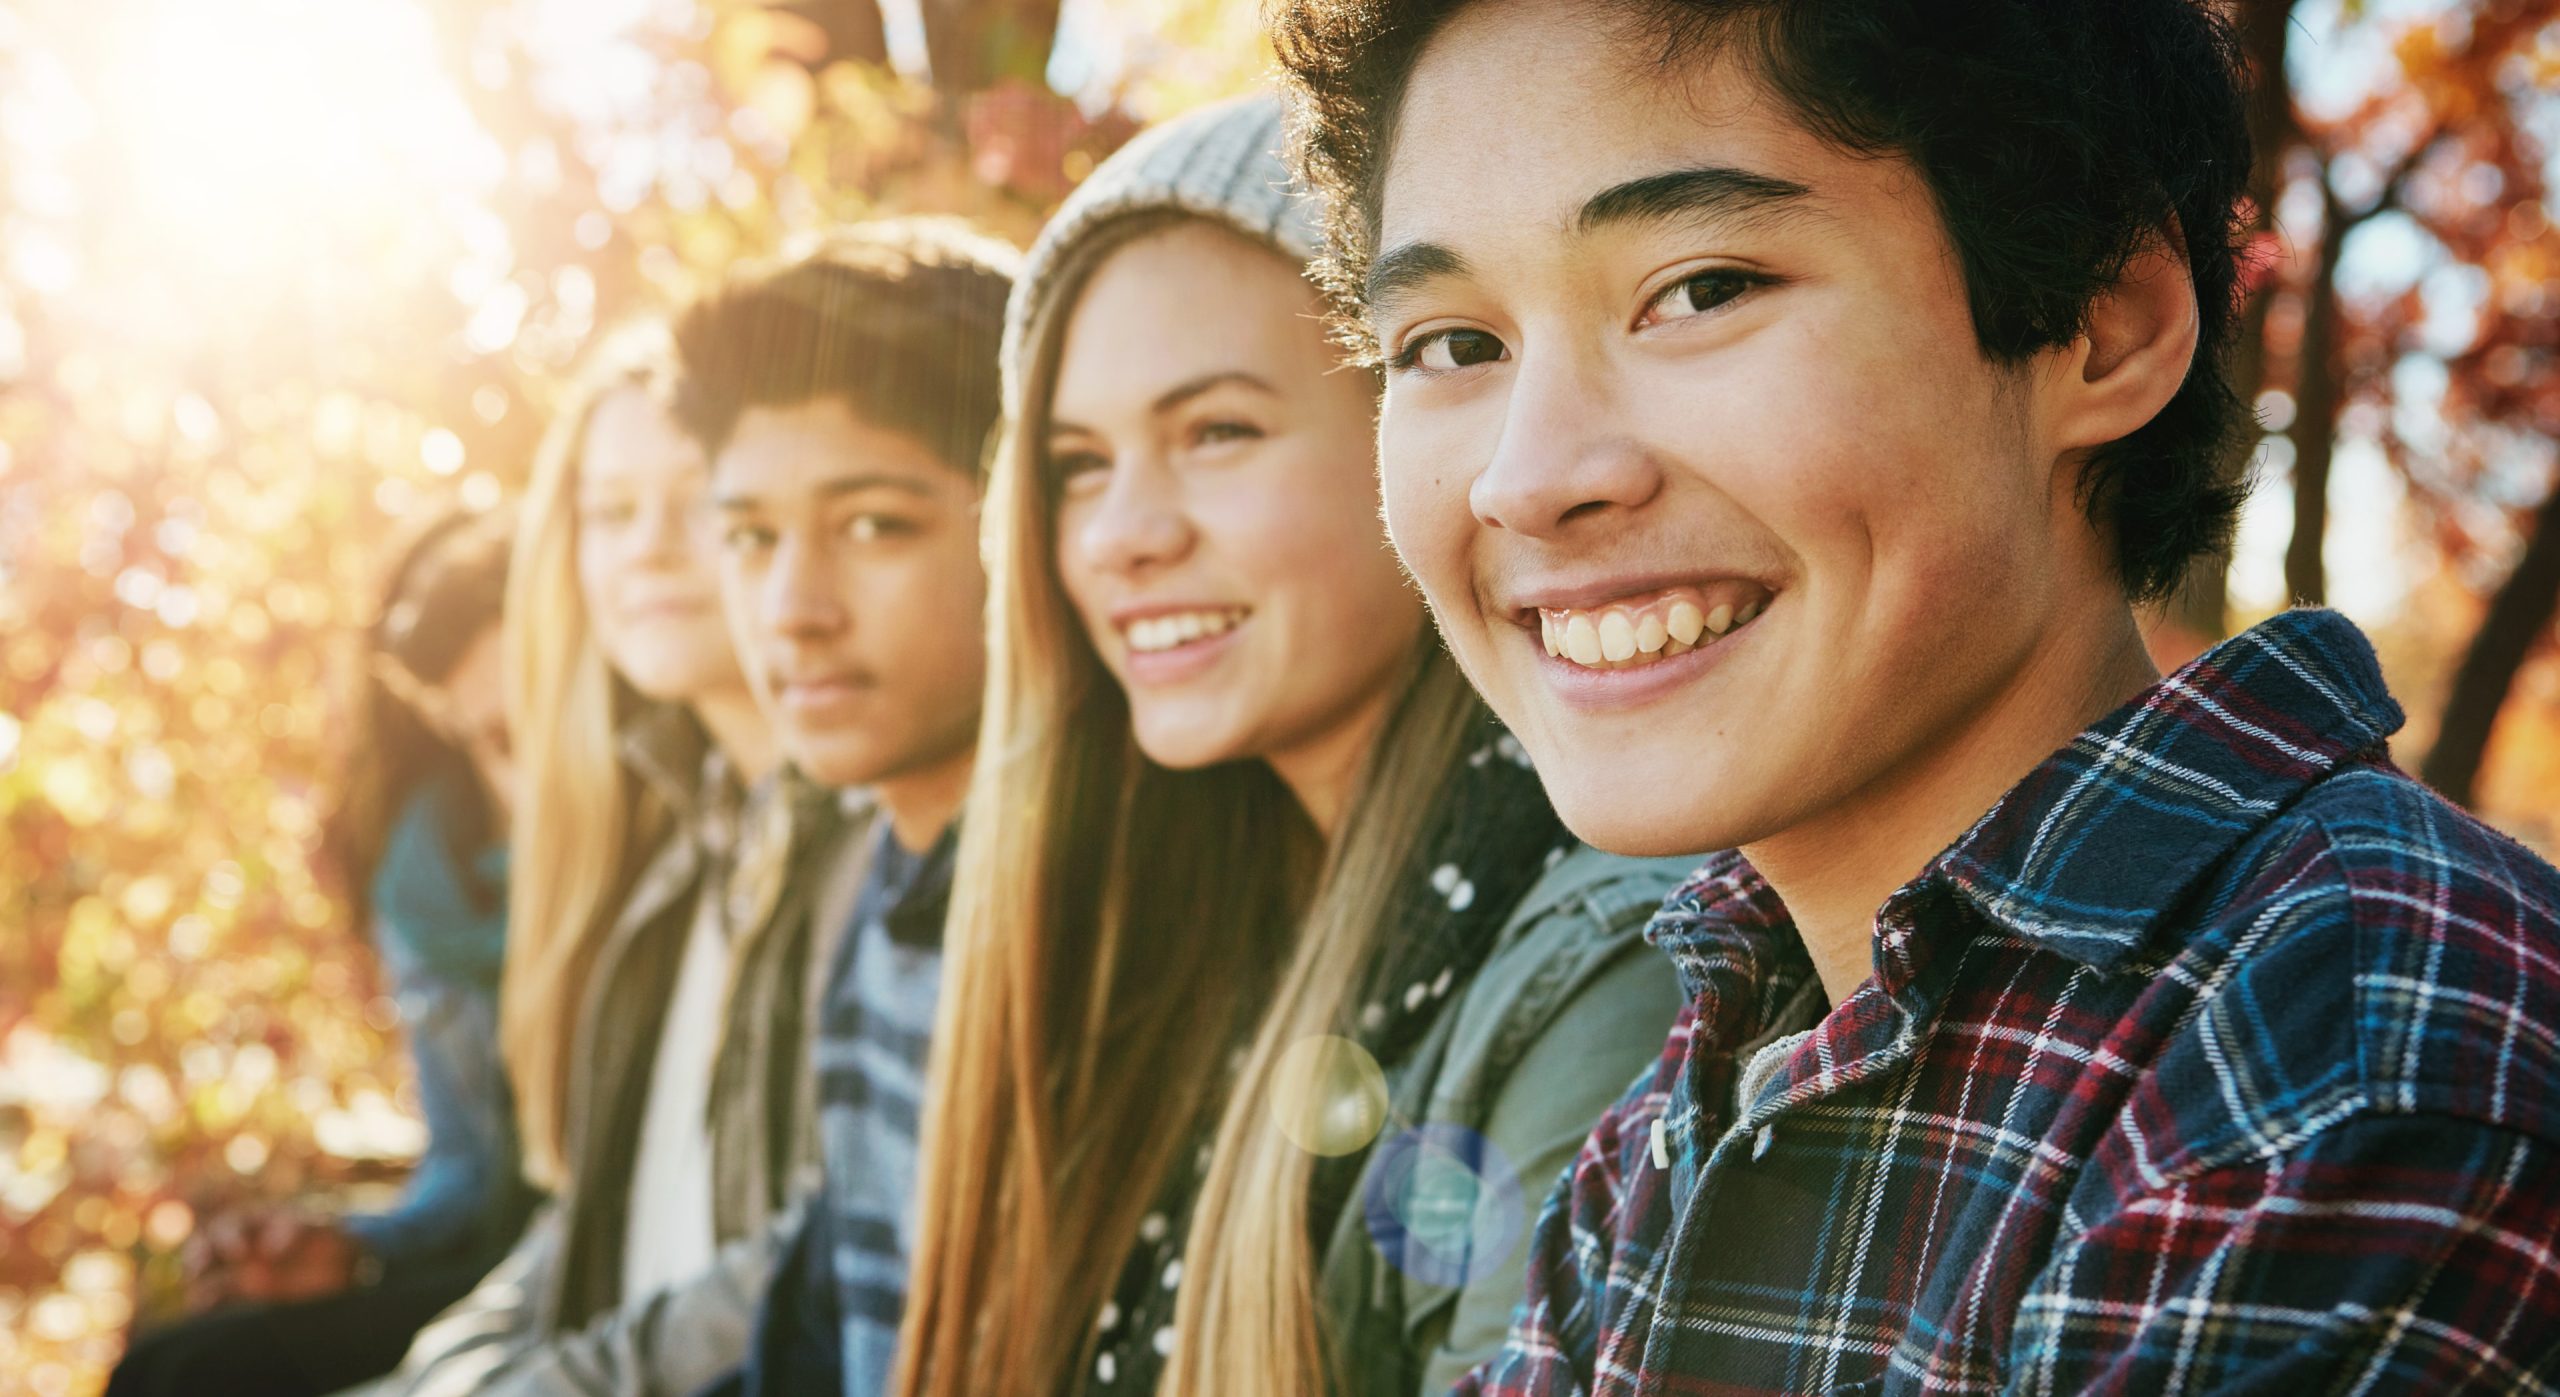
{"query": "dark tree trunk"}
(975, 44)
(2519, 617)
(853, 28)
(2319, 391)
(2201, 604)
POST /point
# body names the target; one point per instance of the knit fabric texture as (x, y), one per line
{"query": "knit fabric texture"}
(1222, 163)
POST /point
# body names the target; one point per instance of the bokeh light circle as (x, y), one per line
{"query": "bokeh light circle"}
(1443, 1205)
(1330, 1096)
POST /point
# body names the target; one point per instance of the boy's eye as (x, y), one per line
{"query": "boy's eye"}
(1701, 293)
(746, 538)
(871, 528)
(1442, 351)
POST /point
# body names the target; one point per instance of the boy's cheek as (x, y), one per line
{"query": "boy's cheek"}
(1425, 500)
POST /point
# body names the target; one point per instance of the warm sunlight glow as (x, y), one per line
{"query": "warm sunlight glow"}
(231, 158)
(236, 118)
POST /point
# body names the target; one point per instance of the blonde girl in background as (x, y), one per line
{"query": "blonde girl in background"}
(1277, 994)
(652, 1021)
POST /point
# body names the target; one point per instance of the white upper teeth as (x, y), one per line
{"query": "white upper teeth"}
(1617, 639)
(1687, 623)
(1152, 633)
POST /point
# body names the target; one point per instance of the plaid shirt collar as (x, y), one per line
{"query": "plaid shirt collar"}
(2218, 1055)
(2075, 857)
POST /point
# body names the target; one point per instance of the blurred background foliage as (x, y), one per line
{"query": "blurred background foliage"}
(277, 276)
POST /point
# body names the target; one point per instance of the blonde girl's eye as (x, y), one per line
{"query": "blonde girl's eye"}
(1702, 293)
(1219, 431)
(1079, 473)
(1446, 351)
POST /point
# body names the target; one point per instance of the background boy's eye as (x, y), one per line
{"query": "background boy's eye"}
(872, 528)
(746, 537)
(1454, 349)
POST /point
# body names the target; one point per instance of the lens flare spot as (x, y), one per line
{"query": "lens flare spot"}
(1329, 1096)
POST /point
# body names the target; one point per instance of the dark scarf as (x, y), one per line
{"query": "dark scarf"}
(1493, 835)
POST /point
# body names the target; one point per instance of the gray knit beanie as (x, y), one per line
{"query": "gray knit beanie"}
(1221, 163)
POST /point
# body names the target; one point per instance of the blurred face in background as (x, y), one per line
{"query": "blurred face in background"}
(849, 559)
(645, 553)
(469, 708)
(1217, 521)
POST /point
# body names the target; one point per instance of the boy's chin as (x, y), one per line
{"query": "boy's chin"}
(847, 764)
(1642, 810)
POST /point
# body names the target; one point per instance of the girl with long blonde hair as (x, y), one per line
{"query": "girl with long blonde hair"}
(661, 925)
(1276, 995)
(583, 663)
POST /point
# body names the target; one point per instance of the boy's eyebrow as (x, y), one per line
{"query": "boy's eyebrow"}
(1704, 192)
(730, 502)
(1403, 267)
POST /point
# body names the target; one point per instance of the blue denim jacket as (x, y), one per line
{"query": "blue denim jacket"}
(441, 926)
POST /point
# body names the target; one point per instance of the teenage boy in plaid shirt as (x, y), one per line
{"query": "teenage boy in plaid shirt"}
(1787, 405)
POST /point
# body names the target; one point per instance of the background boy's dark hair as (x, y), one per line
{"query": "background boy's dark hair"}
(2059, 137)
(899, 319)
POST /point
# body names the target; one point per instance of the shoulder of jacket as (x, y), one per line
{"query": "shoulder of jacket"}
(1590, 893)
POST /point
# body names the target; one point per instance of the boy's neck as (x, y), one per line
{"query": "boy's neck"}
(922, 803)
(738, 728)
(1835, 870)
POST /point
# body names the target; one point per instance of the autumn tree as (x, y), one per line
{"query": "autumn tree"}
(2452, 373)
(276, 278)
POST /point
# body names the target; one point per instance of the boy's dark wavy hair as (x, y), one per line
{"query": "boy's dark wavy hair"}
(899, 319)
(2059, 137)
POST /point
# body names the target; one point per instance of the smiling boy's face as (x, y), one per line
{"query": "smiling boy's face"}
(1690, 443)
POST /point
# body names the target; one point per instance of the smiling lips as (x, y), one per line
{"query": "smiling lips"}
(818, 690)
(1629, 635)
(1171, 630)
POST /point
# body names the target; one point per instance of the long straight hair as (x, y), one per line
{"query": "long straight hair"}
(1247, 1310)
(575, 821)
(1116, 928)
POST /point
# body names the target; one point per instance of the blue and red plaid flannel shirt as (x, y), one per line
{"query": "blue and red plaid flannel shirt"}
(2220, 1056)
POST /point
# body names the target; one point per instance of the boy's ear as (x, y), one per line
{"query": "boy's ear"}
(2134, 354)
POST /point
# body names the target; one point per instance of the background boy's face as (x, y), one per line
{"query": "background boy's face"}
(849, 566)
(1677, 382)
